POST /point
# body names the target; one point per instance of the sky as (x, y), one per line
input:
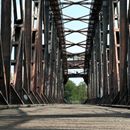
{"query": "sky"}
(75, 11)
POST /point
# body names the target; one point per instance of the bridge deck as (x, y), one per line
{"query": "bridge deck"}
(65, 117)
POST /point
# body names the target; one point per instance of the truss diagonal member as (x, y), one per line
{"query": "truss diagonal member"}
(93, 20)
(78, 18)
(56, 9)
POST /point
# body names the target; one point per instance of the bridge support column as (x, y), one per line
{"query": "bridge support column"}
(5, 45)
(98, 51)
(100, 55)
(28, 45)
(129, 55)
(46, 42)
(105, 43)
(111, 53)
(123, 50)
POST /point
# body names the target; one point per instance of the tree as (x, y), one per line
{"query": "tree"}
(70, 85)
(75, 94)
(82, 87)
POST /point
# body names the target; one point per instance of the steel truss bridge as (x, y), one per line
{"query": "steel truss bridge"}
(34, 60)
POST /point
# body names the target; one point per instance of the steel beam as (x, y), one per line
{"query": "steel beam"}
(123, 47)
(105, 30)
(28, 44)
(6, 42)
(128, 78)
(46, 40)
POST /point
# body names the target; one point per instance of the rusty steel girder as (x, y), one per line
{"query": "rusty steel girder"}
(31, 56)
(109, 57)
(34, 60)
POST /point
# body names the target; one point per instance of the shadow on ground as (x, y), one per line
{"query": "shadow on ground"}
(11, 121)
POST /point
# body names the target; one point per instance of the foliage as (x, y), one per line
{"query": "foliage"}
(75, 93)
(69, 90)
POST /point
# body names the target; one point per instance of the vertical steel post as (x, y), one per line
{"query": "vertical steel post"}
(94, 70)
(46, 40)
(28, 43)
(97, 59)
(52, 57)
(40, 51)
(58, 73)
(100, 56)
(6, 38)
(111, 55)
(123, 47)
(105, 31)
(128, 85)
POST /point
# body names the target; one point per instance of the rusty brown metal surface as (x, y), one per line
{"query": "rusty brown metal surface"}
(5, 42)
(23, 53)
(35, 63)
(113, 59)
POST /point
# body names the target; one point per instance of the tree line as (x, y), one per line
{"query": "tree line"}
(75, 93)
